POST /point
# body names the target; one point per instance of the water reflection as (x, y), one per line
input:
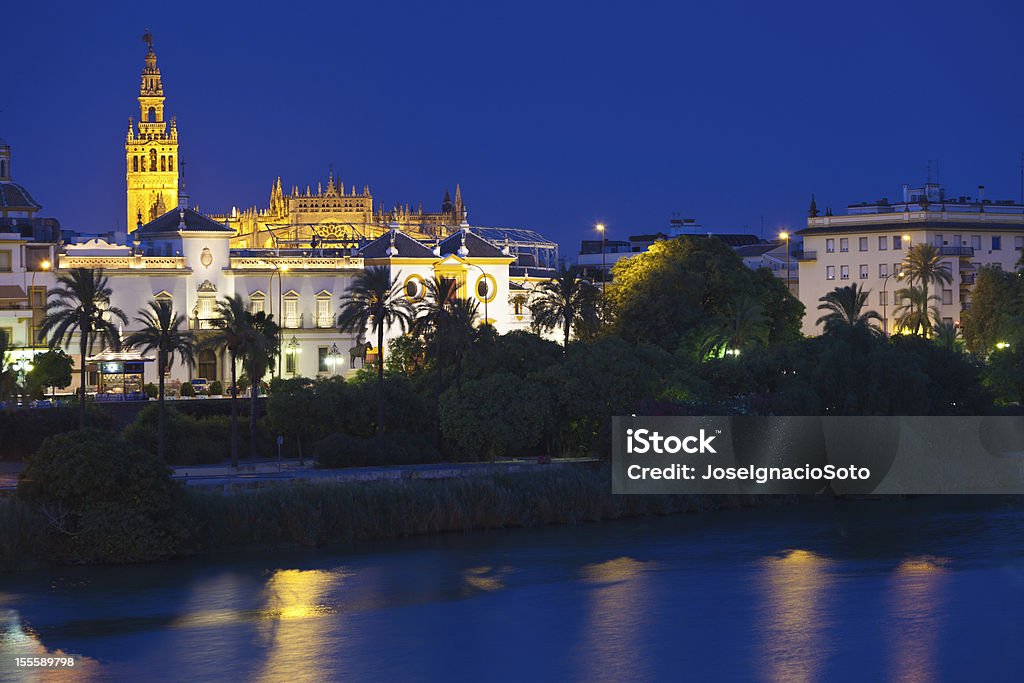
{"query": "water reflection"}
(796, 615)
(916, 605)
(617, 611)
(18, 641)
(293, 631)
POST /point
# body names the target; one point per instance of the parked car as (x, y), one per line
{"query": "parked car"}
(200, 385)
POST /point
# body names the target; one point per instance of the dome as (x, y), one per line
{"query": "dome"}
(14, 197)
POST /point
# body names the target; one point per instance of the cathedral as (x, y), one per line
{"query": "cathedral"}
(332, 215)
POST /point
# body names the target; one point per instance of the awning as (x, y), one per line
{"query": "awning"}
(110, 356)
(11, 292)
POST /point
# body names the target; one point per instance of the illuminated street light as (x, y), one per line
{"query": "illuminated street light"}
(600, 229)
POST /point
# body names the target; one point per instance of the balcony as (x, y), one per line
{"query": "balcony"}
(963, 252)
(293, 321)
(806, 255)
(203, 323)
(325, 322)
(968, 278)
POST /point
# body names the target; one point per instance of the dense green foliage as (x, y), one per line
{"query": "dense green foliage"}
(49, 370)
(392, 448)
(103, 501)
(23, 431)
(191, 440)
(676, 293)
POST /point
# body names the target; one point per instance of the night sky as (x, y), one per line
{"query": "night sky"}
(551, 115)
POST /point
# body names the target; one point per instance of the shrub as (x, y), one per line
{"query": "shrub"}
(187, 391)
(216, 388)
(104, 500)
(189, 441)
(342, 450)
(23, 431)
(151, 390)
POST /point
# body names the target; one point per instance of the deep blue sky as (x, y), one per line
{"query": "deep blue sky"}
(552, 115)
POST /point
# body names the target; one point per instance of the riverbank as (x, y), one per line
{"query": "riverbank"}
(319, 513)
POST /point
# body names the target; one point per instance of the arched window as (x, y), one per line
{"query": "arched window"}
(170, 163)
(3, 168)
(152, 160)
(163, 163)
(151, 115)
(135, 163)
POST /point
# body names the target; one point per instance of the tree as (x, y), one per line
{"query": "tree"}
(923, 265)
(231, 325)
(995, 313)
(947, 336)
(670, 294)
(916, 314)
(445, 322)
(51, 369)
(565, 301)
(6, 372)
(845, 306)
(162, 330)
(744, 325)
(258, 350)
(292, 409)
(375, 300)
(81, 303)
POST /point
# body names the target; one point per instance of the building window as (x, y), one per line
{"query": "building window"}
(5, 260)
(323, 312)
(897, 242)
(1018, 242)
(322, 361)
(947, 297)
(997, 243)
(257, 304)
(135, 164)
(844, 272)
(291, 312)
(883, 243)
(830, 272)
(844, 244)
(152, 160)
(170, 163)
(289, 362)
(163, 163)
(863, 271)
(207, 365)
(863, 244)
(882, 298)
(883, 270)
(976, 242)
(938, 240)
(830, 246)
(947, 321)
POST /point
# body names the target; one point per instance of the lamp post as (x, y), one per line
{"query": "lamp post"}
(885, 300)
(333, 354)
(785, 236)
(278, 270)
(601, 229)
(483, 275)
(293, 350)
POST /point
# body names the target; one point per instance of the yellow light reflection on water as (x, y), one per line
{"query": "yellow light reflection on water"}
(295, 637)
(916, 600)
(616, 613)
(17, 641)
(795, 614)
(485, 578)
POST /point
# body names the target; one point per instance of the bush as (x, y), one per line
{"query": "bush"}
(151, 391)
(187, 391)
(23, 431)
(104, 500)
(216, 388)
(189, 441)
(342, 450)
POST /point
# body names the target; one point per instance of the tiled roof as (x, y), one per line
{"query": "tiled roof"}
(477, 246)
(16, 198)
(171, 221)
(407, 247)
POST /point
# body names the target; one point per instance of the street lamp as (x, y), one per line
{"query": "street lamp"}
(483, 276)
(293, 349)
(785, 236)
(43, 265)
(885, 300)
(278, 269)
(604, 276)
(333, 353)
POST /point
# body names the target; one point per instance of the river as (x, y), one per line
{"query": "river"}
(913, 590)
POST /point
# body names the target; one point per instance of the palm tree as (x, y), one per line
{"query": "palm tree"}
(375, 300)
(161, 330)
(947, 335)
(231, 326)
(81, 303)
(445, 321)
(258, 350)
(845, 306)
(923, 265)
(564, 301)
(917, 312)
(746, 324)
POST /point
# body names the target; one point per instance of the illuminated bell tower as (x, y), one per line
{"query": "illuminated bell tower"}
(151, 151)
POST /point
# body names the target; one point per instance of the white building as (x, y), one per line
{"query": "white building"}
(868, 245)
(185, 257)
